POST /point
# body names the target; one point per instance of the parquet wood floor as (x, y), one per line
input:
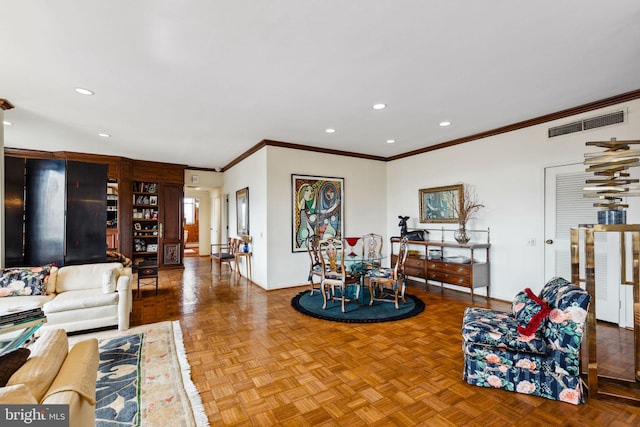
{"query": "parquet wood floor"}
(258, 362)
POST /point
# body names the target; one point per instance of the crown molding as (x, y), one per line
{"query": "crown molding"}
(268, 142)
(292, 146)
(603, 103)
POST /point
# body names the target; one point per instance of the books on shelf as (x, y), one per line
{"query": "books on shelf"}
(145, 187)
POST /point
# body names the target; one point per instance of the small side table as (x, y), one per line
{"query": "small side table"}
(247, 256)
(149, 275)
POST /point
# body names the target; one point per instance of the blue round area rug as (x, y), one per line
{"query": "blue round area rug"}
(380, 311)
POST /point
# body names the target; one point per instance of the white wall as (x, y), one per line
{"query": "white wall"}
(252, 173)
(506, 170)
(267, 173)
(508, 173)
(205, 179)
(364, 205)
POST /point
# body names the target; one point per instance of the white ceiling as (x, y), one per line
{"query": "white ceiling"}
(199, 82)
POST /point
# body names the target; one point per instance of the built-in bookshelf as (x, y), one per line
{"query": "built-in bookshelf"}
(112, 214)
(145, 224)
(112, 203)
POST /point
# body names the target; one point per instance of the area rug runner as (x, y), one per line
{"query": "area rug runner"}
(144, 379)
(380, 311)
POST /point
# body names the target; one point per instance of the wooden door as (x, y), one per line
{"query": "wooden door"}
(14, 211)
(64, 211)
(44, 217)
(170, 215)
(86, 219)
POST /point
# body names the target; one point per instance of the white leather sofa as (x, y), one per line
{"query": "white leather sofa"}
(76, 299)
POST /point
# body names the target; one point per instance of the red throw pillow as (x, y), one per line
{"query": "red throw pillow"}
(530, 312)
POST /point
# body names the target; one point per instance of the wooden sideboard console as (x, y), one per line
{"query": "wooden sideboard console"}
(466, 265)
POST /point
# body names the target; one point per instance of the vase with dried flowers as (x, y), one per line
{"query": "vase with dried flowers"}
(464, 209)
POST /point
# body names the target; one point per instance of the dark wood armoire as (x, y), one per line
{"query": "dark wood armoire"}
(56, 207)
(55, 211)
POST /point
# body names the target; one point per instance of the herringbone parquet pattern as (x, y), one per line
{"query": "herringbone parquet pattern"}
(258, 362)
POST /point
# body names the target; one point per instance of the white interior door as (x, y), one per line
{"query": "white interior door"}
(225, 218)
(215, 218)
(565, 207)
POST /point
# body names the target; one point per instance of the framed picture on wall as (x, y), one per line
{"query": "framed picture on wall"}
(317, 208)
(242, 211)
(436, 204)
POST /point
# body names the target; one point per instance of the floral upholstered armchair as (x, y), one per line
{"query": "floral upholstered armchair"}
(534, 350)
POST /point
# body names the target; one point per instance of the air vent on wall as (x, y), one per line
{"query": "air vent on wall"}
(565, 129)
(586, 124)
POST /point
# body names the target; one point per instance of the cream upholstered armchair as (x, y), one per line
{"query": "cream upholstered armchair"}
(337, 283)
(533, 350)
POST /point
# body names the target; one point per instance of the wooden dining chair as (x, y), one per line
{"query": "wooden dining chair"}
(371, 250)
(224, 253)
(337, 283)
(315, 264)
(387, 284)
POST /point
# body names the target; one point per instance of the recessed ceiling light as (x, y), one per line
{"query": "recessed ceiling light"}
(379, 106)
(330, 130)
(445, 123)
(6, 123)
(104, 135)
(391, 141)
(83, 91)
